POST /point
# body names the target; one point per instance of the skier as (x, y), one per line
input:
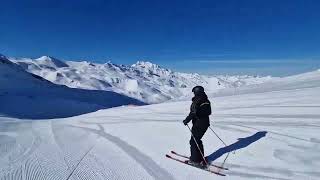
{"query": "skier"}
(199, 114)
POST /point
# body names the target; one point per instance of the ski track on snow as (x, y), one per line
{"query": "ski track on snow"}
(146, 162)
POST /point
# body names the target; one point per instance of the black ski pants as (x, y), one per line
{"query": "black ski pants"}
(198, 132)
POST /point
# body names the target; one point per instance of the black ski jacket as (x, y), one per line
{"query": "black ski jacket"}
(199, 111)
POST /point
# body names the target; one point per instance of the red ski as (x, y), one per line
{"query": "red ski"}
(184, 156)
(196, 166)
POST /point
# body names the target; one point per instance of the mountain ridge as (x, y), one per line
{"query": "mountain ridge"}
(25, 95)
(143, 80)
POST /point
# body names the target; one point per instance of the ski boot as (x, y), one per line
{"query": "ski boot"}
(197, 164)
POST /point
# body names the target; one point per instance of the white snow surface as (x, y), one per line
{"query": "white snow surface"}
(131, 142)
(145, 81)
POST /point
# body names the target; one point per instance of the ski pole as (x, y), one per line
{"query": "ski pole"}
(204, 159)
(225, 159)
(218, 136)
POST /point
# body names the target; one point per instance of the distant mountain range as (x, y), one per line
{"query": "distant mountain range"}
(144, 81)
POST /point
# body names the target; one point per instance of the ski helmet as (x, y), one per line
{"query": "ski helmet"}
(198, 90)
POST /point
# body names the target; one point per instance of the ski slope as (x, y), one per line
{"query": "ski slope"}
(131, 142)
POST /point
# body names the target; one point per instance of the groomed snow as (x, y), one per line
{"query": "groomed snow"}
(131, 142)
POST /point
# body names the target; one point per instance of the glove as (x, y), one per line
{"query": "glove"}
(185, 122)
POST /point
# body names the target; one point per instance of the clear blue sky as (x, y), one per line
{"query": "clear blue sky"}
(277, 37)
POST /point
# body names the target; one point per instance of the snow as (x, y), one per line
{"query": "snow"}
(25, 95)
(305, 80)
(143, 80)
(273, 126)
(51, 62)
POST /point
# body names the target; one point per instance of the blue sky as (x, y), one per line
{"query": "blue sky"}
(212, 37)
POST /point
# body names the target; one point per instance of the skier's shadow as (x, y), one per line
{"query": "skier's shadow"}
(241, 143)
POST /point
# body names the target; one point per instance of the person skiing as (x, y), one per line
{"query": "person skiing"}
(199, 114)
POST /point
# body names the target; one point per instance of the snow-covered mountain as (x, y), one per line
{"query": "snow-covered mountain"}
(144, 81)
(299, 81)
(26, 95)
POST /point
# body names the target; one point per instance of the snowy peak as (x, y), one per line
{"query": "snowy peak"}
(149, 65)
(13, 76)
(51, 62)
(146, 64)
(151, 69)
(2, 56)
(4, 59)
